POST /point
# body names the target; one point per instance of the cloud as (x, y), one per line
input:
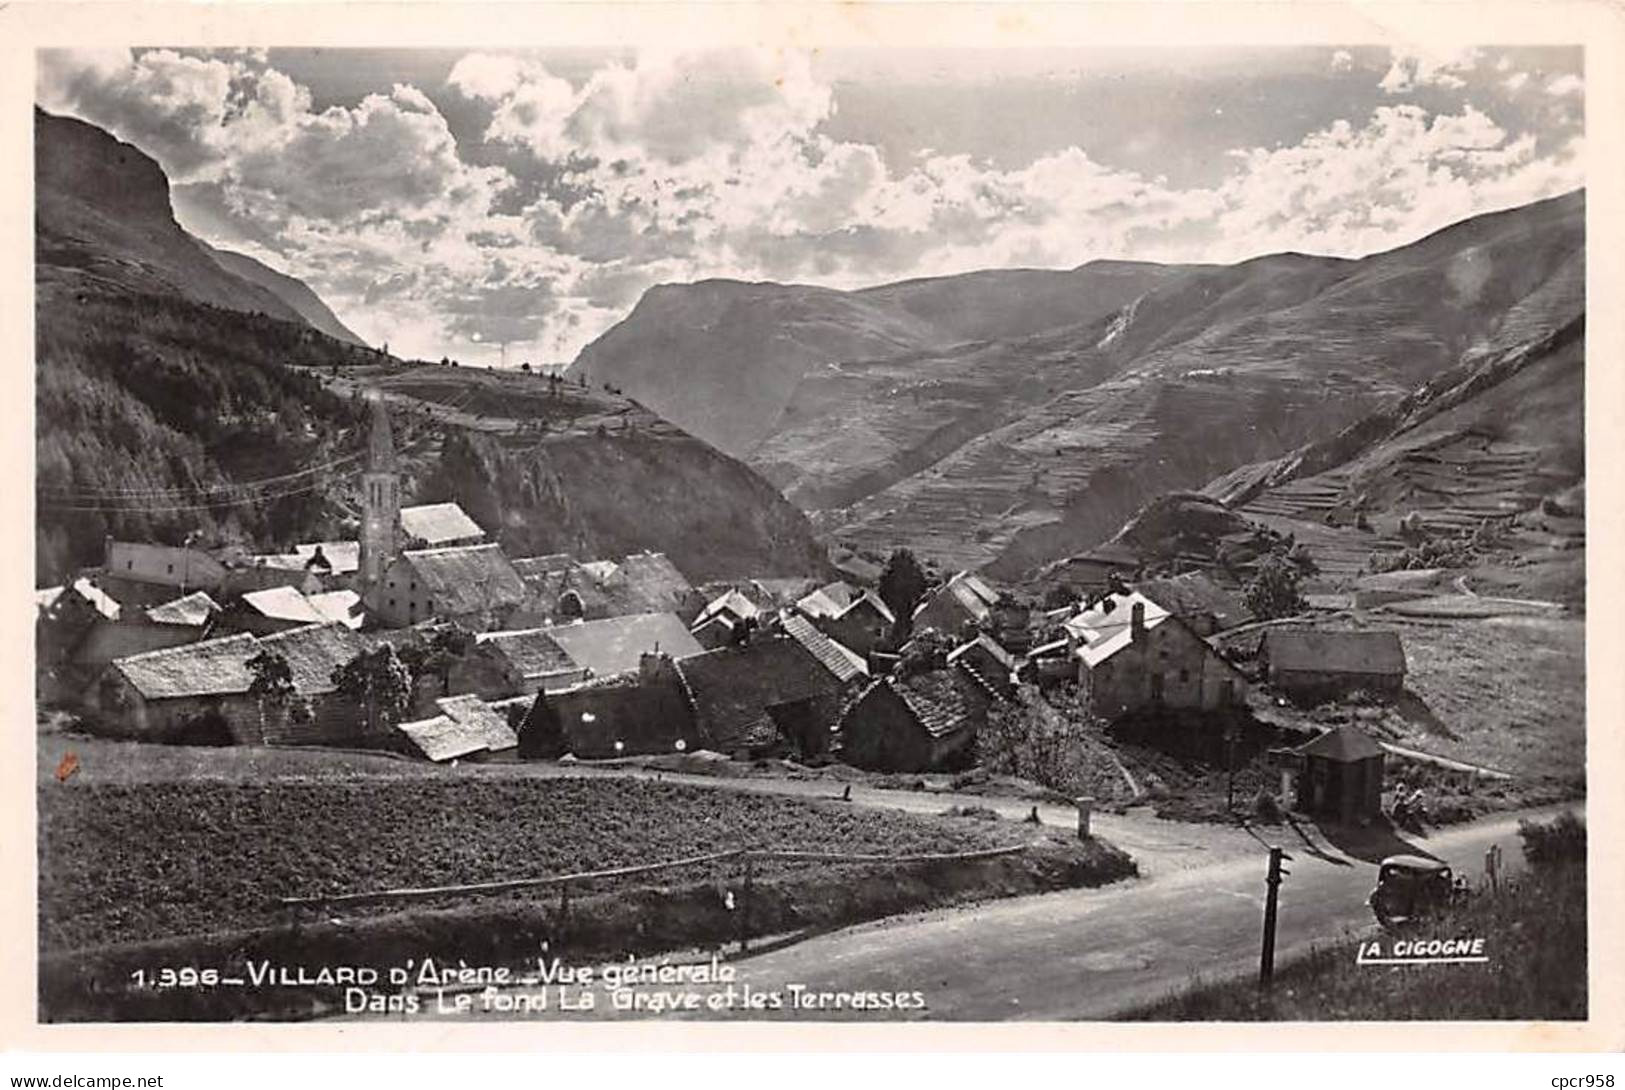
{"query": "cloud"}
(1566, 85)
(675, 166)
(1410, 69)
(1349, 191)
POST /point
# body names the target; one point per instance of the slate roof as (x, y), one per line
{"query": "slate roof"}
(840, 660)
(941, 701)
(47, 598)
(192, 610)
(438, 524)
(531, 566)
(466, 578)
(987, 661)
(209, 668)
(477, 717)
(1345, 744)
(730, 602)
(648, 583)
(731, 688)
(1335, 652)
(870, 600)
(338, 605)
(1107, 627)
(441, 738)
(769, 593)
(290, 604)
(314, 652)
(530, 651)
(828, 600)
(614, 645)
(283, 604)
(968, 591)
(343, 557)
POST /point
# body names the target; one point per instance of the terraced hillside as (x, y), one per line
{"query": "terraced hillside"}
(1249, 387)
(737, 363)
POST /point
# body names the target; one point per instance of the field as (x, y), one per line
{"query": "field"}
(127, 862)
(162, 871)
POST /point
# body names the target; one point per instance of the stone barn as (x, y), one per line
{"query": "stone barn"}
(1310, 665)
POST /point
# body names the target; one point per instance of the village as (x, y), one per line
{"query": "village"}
(424, 638)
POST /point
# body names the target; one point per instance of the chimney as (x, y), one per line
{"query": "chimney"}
(651, 664)
(1137, 626)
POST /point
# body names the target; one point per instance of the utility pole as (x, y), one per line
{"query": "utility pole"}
(1266, 959)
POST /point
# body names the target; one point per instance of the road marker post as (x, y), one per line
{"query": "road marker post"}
(1272, 882)
(1086, 806)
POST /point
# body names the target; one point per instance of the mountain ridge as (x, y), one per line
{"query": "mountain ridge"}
(1008, 451)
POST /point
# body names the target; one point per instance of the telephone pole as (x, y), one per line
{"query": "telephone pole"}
(1272, 882)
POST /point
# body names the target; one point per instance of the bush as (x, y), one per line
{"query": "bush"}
(980, 813)
(1563, 840)
(1266, 810)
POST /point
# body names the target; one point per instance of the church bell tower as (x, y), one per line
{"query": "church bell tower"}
(380, 499)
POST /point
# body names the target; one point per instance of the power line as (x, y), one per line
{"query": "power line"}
(231, 494)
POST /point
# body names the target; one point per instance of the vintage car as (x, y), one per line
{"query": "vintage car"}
(1410, 887)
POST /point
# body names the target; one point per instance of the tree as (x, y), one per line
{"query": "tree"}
(1030, 738)
(902, 583)
(380, 683)
(436, 656)
(542, 732)
(272, 686)
(1273, 591)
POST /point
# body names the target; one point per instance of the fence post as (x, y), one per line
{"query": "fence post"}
(744, 903)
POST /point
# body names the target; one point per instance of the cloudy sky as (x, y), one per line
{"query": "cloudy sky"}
(446, 201)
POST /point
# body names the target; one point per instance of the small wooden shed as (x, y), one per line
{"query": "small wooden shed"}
(1340, 775)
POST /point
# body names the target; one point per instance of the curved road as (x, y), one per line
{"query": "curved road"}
(1093, 954)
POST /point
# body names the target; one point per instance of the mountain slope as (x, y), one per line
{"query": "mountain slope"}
(103, 220)
(1253, 382)
(165, 408)
(728, 360)
(294, 292)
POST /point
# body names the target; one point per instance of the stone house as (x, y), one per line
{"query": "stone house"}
(767, 695)
(183, 568)
(964, 602)
(200, 691)
(925, 722)
(513, 663)
(1133, 654)
(641, 711)
(474, 585)
(862, 626)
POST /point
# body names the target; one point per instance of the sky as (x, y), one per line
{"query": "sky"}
(450, 202)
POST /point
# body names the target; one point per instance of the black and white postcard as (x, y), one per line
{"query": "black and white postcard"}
(778, 517)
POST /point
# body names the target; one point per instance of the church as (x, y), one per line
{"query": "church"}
(429, 561)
